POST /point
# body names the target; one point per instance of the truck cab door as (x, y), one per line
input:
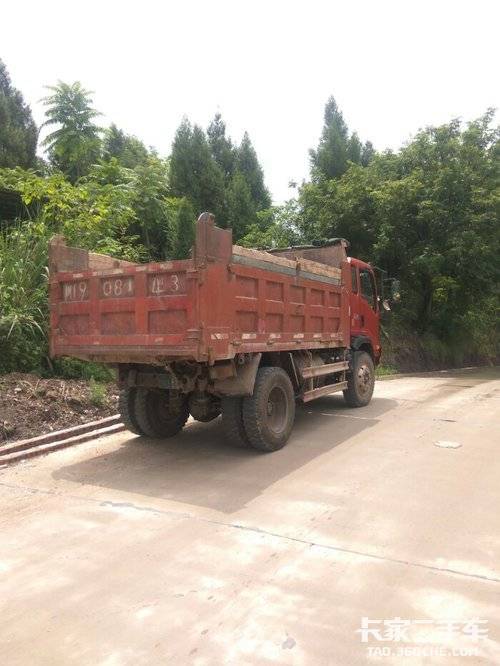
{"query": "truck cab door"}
(364, 306)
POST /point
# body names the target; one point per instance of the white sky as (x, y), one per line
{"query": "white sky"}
(268, 66)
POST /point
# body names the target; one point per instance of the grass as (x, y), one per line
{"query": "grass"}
(23, 298)
(97, 393)
(74, 368)
(383, 370)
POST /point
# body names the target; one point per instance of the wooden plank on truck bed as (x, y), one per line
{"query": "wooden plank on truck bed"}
(300, 264)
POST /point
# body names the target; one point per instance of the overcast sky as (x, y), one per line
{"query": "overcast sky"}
(268, 66)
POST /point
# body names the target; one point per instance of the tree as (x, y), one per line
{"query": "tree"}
(127, 149)
(221, 146)
(367, 153)
(354, 149)
(248, 165)
(152, 224)
(75, 145)
(183, 232)
(329, 160)
(336, 147)
(241, 213)
(18, 132)
(276, 227)
(428, 215)
(194, 173)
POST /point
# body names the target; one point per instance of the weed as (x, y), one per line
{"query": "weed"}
(97, 393)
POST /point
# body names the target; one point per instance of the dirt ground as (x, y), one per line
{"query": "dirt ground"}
(30, 405)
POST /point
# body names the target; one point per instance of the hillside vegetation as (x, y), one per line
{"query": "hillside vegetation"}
(427, 214)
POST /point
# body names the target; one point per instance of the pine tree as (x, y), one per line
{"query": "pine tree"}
(221, 146)
(75, 145)
(241, 213)
(194, 173)
(330, 158)
(248, 165)
(184, 231)
(18, 132)
(336, 147)
(354, 149)
(128, 149)
(367, 154)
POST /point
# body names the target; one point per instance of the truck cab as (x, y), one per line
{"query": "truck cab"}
(364, 311)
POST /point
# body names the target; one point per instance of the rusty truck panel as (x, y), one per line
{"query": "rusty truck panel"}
(224, 301)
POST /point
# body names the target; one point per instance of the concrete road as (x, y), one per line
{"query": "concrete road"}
(129, 551)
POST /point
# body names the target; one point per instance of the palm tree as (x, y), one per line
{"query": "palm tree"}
(75, 145)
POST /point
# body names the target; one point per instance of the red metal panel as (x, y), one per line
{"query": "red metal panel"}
(152, 306)
(206, 309)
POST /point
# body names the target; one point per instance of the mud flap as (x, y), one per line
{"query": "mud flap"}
(243, 383)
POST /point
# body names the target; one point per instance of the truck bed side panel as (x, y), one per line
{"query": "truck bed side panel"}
(272, 310)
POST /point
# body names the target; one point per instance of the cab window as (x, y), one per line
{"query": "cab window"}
(368, 290)
(354, 280)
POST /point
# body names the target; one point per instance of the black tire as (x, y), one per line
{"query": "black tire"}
(232, 422)
(361, 381)
(126, 407)
(269, 413)
(159, 414)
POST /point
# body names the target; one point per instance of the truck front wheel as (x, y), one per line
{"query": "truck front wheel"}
(159, 413)
(269, 413)
(361, 380)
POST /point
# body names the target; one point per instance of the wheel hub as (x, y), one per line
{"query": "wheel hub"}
(364, 379)
(277, 410)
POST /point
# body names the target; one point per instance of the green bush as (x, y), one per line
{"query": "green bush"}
(74, 368)
(97, 393)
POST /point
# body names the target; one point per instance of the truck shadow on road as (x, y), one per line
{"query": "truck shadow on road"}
(201, 468)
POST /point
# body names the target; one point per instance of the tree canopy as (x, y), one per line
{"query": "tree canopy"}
(217, 176)
(248, 165)
(223, 151)
(336, 147)
(427, 214)
(74, 146)
(18, 132)
(127, 149)
(194, 173)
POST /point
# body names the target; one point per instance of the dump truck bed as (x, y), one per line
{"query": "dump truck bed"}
(223, 301)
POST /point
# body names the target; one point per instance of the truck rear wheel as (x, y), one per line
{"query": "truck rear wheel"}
(126, 407)
(232, 422)
(361, 380)
(269, 413)
(159, 413)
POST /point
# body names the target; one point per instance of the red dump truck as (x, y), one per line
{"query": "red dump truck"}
(231, 331)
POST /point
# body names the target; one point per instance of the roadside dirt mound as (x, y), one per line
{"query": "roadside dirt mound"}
(408, 352)
(30, 405)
